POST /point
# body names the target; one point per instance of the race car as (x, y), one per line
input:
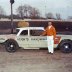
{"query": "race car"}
(30, 38)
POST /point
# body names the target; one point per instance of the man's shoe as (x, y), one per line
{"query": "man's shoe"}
(50, 53)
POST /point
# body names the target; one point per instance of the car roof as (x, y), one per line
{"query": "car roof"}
(31, 28)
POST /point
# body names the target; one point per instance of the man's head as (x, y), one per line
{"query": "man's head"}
(49, 23)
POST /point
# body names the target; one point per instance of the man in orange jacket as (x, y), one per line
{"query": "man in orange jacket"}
(51, 34)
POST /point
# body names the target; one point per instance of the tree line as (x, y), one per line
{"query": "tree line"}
(27, 11)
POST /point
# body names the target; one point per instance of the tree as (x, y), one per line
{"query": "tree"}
(14, 16)
(69, 18)
(1, 11)
(27, 11)
(34, 13)
(20, 11)
(58, 16)
(49, 15)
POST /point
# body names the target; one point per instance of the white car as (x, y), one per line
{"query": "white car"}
(29, 38)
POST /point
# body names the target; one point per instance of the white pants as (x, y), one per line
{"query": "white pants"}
(50, 43)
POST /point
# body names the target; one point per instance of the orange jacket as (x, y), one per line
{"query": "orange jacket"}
(50, 32)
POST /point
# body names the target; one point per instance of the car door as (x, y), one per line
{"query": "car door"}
(37, 41)
(23, 39)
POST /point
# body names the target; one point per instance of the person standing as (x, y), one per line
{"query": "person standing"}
(50, 31)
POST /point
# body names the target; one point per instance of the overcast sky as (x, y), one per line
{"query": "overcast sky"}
(64, 7)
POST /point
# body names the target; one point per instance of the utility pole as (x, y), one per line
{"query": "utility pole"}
(11, 1)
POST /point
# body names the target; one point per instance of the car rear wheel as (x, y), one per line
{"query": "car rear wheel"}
(66, 46)
(11, 45)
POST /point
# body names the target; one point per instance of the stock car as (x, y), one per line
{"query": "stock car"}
(30, 38)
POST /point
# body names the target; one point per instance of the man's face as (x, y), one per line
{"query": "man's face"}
(49, 23)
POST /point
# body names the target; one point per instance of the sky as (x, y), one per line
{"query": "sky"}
(64, 7)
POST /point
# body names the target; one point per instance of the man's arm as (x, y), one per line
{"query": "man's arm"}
(44, 32)
(54, 32)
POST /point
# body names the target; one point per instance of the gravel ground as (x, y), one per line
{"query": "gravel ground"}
(34, 61)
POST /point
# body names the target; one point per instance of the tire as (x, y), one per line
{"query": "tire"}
(66, 46)
(11, 45)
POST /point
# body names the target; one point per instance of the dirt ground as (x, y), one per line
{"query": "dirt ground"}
(34, 61)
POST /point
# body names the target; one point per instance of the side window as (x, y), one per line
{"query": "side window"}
(24, 32)
(36, 32)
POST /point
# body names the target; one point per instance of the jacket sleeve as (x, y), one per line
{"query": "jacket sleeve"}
(54, 32)
(44, 32)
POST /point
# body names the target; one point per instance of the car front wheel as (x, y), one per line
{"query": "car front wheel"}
(11, 45)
